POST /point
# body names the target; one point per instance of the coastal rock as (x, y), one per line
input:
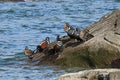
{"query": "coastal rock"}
(102, 49)
(98, 52)
(115, 75)
(95, 74)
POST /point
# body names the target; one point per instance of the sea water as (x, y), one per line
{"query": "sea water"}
(28, 23)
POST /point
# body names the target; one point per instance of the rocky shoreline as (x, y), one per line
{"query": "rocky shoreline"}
(101, 51)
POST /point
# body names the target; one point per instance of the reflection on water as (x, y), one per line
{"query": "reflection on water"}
(28, 23)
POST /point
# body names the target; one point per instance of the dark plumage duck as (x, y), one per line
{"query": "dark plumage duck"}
(43, 45)
(58, 38)
(76, 33)
(72, 32)
(28, 52)
(58, 45)
(56, 48)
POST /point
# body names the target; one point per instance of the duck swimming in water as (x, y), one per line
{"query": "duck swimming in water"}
(28, 52)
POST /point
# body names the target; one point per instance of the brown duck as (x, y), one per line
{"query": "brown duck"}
(28, 52)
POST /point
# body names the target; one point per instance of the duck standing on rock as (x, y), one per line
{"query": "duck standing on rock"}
(43, 45)
(58, 45)
(28, 52)
(75, 33)
(72, 32)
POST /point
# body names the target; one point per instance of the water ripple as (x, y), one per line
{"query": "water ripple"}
(28, 23)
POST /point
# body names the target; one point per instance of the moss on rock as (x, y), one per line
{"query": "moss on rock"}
(85, 58)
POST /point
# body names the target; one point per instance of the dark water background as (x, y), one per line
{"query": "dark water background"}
(28, 23)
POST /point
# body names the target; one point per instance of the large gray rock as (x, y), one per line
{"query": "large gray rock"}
(102, 49)
(114, 75)
(95, 74)
(107, 30)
